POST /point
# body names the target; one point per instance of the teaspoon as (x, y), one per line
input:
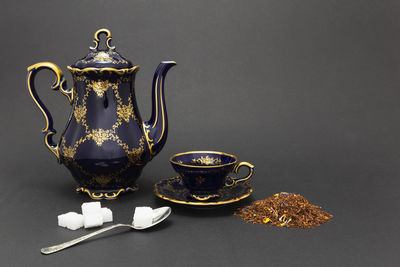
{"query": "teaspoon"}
(160, 214)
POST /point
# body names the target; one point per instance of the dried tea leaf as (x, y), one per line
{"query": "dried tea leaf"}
(284, 210)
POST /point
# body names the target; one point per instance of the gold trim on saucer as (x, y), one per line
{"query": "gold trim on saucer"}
(215, 203)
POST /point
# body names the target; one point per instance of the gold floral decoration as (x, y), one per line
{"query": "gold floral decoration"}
(135, 154)
(207, 160)
(68, 151)
(99, 87)
(102, 180)
(79, 112)
(200, 180)
(125, 112)
(100, 135)
(80, 78)
(102, 56)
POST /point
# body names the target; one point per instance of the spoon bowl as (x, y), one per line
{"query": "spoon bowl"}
(159, 215)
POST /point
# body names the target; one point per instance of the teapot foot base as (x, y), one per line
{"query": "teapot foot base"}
(97, 194)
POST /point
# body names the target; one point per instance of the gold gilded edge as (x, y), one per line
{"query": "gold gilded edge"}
(46, 128)
(104, 195)
(52, 67)
(162, 112)
(237, 167)
(156, 103)
(149, 141)
(100, 31)
(203, 152)
(97, 39)
(100, 70)
(200, 203)
(169, 61)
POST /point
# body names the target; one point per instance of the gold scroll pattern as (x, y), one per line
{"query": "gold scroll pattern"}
(124, 114)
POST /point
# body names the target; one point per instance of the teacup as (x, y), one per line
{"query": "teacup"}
(206, 172)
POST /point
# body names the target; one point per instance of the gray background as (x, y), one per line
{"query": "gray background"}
(308, 91)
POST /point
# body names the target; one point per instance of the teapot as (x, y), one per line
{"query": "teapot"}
(105, 144)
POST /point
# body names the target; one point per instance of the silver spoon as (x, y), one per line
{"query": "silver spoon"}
(160, 214)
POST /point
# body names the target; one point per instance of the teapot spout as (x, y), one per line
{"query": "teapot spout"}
(156, 129)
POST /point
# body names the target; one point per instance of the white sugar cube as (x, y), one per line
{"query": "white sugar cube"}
(62, 219)
(143, 217)
(91, 207)
(107, 215)
(75, 222)
(93, 219)
(71, 220)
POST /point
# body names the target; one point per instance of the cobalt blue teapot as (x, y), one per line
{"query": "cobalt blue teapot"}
(105, 144)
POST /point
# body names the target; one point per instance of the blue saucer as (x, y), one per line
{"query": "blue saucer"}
(173, 190)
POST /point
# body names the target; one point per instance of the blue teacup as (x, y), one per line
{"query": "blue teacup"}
(206, 172)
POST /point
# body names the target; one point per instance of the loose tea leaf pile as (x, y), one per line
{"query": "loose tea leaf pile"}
(285, 210)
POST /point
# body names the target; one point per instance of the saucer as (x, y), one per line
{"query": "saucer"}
(173, 190)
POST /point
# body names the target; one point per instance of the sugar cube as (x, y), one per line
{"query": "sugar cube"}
(93, 219)
(75, 222)
(62, 219)
(107, 215)
(143, 217)
(91, 207)
(71, 220)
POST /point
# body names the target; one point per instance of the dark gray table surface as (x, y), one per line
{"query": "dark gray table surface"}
(307, 91)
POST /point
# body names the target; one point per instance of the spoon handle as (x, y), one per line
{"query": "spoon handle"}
(52, 249)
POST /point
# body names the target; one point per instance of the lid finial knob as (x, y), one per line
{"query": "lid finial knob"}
(97, 39)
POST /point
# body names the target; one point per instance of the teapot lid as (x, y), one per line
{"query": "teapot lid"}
(107, 58)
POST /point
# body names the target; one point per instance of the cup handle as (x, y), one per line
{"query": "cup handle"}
(234, 181)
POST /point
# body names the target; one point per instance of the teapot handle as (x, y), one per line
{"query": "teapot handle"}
(59, 84)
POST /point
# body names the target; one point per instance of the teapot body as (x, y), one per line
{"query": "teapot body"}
(104, 145)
